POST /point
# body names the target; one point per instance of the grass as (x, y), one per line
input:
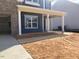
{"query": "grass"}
(55, 48)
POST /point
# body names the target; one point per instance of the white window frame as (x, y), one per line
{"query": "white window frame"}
(33, 3)
(31, 16)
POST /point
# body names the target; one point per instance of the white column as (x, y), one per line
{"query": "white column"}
(62, 24)
(43, 16)
(19, 22)
(43, 23)
(51, 24)
(48, 23)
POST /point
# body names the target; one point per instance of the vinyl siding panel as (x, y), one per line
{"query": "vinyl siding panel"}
(72, 16)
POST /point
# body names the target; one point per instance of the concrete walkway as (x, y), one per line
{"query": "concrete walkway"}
(10, 49)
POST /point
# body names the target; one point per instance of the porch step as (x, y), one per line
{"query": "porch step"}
(31, 35)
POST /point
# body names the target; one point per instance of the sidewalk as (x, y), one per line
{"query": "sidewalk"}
(10, 49)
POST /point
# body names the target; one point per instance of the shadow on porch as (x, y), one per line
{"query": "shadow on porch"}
(34, 37)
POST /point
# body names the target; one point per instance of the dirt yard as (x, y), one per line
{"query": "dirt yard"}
(55, 48)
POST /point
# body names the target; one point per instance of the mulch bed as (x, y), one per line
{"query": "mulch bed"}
(55, 48)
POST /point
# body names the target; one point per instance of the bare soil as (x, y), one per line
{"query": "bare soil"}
(55, 48)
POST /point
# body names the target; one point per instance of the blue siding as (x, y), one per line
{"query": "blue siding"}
(40, 2)
(47, 4)
(32, 30)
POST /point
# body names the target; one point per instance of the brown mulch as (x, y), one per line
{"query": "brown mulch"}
(55, 48)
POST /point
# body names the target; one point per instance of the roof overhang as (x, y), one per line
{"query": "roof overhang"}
(40, 10)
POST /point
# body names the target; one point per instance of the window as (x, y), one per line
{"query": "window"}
(31, 22)
(32, 2)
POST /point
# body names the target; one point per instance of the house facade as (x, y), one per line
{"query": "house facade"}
(72, 16)
(32, 22)
(26, 16)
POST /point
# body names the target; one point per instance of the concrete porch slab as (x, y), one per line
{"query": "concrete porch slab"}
(10, 49)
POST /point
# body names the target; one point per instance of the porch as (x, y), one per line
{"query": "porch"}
(40, 34)
(34, 37)
(45, 13)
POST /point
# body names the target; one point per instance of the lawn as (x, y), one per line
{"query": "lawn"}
(66, 47)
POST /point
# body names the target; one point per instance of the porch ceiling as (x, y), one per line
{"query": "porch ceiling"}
(40, 10)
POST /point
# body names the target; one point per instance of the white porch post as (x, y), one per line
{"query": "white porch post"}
(19, 22)
(62, 24)
(43, 23)
(48, 23)
(43, 16)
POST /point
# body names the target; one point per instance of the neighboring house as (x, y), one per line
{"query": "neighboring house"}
(71, 7)
(26, 16)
